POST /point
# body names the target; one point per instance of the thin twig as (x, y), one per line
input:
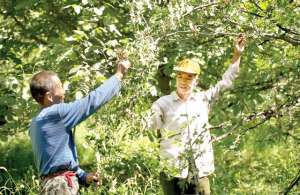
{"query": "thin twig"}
(37, 39)
(293, 183)
(201, 7)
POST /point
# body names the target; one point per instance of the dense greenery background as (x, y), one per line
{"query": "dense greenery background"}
(255, 125)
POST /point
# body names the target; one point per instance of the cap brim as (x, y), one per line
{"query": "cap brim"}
(185, 70)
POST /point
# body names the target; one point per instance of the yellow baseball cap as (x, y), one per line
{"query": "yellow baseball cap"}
(188, 66)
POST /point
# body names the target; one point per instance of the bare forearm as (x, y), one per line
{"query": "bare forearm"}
(236, 58)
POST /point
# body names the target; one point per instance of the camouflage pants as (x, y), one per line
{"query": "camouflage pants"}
(59, 186)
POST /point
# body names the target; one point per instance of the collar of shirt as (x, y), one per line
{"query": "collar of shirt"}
(177, 98)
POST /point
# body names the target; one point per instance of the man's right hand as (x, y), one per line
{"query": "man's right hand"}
(122, 68)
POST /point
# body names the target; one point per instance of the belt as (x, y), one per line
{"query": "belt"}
(67, 174)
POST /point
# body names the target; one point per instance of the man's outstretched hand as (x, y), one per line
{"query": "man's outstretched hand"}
(122, 68)
(239, 44)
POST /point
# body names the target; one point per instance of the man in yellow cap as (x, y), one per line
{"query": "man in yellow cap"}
(182, 120)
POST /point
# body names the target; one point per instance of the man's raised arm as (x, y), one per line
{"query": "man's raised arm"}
(75, 112)
(232, 72)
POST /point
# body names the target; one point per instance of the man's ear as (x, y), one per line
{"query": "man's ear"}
(48, 98)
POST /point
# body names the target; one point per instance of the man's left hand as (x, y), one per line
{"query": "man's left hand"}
(92, 178)
(239, 44)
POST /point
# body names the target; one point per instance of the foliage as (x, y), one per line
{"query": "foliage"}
(256, 146)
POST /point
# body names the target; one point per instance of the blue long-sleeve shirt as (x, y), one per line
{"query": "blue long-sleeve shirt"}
(50, 131)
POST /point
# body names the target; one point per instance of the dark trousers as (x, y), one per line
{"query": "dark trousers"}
(179, 186)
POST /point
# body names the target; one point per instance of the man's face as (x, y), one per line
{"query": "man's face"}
(185, 82)
(57, 94)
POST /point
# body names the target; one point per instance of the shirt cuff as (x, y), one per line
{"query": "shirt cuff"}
(117, 80)
(81, 175)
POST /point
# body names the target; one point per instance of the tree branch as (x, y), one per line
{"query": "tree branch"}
(265, 115)
(256, 5)
(249, 118)
(293, 183)
(37, 39)
(283, 37)
(216, 34)
(287, 30)
(201, 7)
(252, 13)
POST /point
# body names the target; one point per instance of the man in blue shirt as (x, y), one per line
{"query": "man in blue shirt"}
(51, 130)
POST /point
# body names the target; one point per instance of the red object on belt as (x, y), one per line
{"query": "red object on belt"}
(67, 174)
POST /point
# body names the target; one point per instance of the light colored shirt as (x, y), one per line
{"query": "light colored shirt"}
(184, 127)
